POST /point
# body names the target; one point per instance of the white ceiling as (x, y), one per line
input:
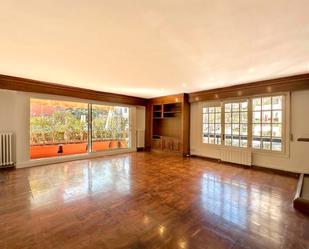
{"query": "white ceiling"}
(150, 48)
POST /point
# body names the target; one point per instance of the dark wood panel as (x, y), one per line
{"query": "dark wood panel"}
(28, 85)
(176, 98)
(291, 83)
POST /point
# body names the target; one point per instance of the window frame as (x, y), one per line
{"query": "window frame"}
(286, 115)
(211, 104)
(285, 129)
(89, 104)
(231, 101)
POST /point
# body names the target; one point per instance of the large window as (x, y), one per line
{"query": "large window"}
(57, 127)
(267, 123)
(110, 127)
(61, 128)
(212, 125)
(236, 124)
(263, 114)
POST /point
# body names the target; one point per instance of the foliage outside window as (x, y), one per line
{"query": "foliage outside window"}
(62, 128)
(110, 123)
(212, 125)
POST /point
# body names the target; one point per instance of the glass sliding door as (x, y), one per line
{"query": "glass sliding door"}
(57, 128)
(110, 127)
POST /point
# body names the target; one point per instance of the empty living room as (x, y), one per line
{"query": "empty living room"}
(154, 124)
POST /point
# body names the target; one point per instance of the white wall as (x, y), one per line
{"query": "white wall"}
(295, 160)
(15, 117)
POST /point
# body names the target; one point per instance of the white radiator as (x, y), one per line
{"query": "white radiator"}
(6, 147)
(236, 155)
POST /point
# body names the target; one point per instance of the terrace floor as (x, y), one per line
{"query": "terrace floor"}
(148, 200)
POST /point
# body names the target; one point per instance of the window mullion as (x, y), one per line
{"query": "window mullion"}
(89, 128)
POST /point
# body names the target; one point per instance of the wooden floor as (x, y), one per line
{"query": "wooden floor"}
(145, 200)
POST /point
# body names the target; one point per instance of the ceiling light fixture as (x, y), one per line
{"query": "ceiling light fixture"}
(251, 70)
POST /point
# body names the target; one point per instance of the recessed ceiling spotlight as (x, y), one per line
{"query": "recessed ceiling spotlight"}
(184, 84)
(212, 78)
(251, 70)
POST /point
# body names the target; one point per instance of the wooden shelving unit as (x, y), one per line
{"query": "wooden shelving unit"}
(169, 124)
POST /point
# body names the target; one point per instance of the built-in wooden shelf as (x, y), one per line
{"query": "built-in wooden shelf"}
(169, 124)
(303, 139)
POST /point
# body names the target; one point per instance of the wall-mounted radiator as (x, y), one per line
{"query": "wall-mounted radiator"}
(6, 149)
(236, 155)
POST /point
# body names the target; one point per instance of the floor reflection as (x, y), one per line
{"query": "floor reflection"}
(225, 198)
(74, 182)
(246, 205)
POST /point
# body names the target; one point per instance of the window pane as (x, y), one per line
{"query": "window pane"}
(276, 145)
(256, 117)
(228, 129)
(228, 107)
(228, 141)
(211, 118)
(205, 139)
(211, 139)
(218, 128)
(266, 144)
(276, 130)
(266, 128)
(205, 109)
(235, 107)
(212, 125)
(218, 109)
(256, 104)
(256, 144)
(244, 106)
(243, 117)
(205, 128)
(211, 128)
(57, 128)
(228, 118)
(266, 117)
(256, 130)
(277, 102)
(243, 129)
(218, 118)
(243, 142)
(235, 117)
(218, 140)
(110, 127)
(235, 129)
(277, 117)
(235, 141)
(266, 103)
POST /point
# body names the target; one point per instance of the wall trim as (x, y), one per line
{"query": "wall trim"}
(284, 84)
(29, 85)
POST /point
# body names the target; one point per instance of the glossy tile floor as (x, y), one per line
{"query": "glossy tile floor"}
(148, 200)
